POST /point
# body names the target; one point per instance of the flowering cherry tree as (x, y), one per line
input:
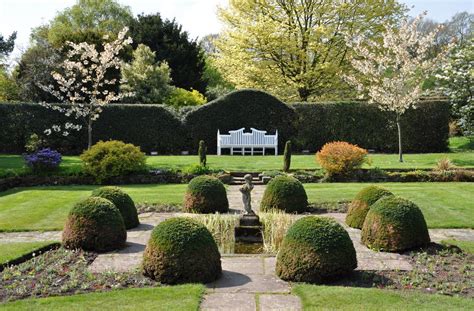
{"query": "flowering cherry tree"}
(392, 75)
(82, 83)
(457, 81)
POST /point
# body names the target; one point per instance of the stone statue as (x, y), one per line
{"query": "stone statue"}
(246, 196)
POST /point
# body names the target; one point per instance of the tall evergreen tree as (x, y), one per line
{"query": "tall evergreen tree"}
(171, 44)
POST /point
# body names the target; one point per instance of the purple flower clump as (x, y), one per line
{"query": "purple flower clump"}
(43, 160)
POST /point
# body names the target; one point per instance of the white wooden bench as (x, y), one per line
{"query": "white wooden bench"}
(241, 142)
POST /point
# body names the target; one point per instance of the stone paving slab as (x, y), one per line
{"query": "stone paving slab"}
(247, 275)
(279, 302)
(229, 302)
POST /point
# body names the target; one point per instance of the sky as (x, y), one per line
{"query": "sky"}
(198, 17)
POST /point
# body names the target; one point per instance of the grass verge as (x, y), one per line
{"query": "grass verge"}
(349, 298)
(10, 252)
(183, 297)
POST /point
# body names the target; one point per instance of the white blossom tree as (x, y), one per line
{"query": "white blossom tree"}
(392, 74)
(457, 82)
(82, 83)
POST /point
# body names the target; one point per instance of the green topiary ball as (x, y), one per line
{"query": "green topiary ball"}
(122, 201)
(359, 207)
(394, 224)
(181, 250)
(315, 249)
(94, 224)
(206, 194)
(284, 193)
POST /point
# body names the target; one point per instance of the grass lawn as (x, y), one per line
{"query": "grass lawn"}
(444, 205)
(349, 298)
(462, 155)
(46, 208)
(466, 246)
(183, 297)
(10, 251)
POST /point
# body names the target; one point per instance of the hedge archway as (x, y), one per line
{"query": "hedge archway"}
(243, 108)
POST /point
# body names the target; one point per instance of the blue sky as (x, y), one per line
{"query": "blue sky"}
(198, 17)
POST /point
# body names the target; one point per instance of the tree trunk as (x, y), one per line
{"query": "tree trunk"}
(304, 94)
(89, 135)
(400, 153)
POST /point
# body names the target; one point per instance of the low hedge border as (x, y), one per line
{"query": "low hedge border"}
(363, 175)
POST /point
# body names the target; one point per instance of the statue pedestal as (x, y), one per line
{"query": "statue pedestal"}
(249, 229)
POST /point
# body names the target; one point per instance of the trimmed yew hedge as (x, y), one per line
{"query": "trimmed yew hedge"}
(152, 127)
(424, 129)
(308, 125)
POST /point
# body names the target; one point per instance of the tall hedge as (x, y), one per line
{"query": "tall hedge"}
(152, 127)
(243, 108)
(424, 129)
(308, 125)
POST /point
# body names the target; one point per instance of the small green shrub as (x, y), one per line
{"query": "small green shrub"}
(181, 250)
(197, 169)
(284, 193)
(180, 98)
(359, 207)
(122, 201)
(202, 153)
(315, 249)
(206, 194)
(112, 158)
(287, 157)
(94, 224)
(394, 224)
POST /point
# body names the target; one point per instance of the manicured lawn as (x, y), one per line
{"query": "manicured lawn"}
(46, 208)
(466, 246)
(10, 251)
(349, 298)
(267, 163)
(445, 205)
(183, 297)
(462, 155)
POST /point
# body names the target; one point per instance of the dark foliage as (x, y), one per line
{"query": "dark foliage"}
(287, 157)
(171, 44)
(152, 127)
(424, 129)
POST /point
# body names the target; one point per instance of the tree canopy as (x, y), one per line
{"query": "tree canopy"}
(295, 48)
(171, 44)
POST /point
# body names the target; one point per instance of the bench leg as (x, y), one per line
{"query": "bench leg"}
(218, 151)
(231, 150)
(276, 150)
(251, 151)
(263, 152)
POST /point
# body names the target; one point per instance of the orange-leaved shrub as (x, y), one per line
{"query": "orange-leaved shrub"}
(340, 157)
